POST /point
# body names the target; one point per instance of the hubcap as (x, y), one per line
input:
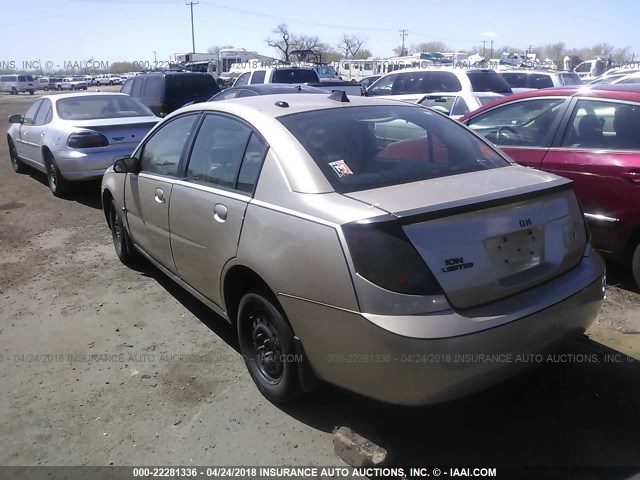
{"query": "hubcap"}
(266, 348)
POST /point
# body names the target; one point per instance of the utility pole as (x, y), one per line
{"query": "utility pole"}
(403, 34)
(193, 38)
(491, 56)
(484, 42)
(154, 57)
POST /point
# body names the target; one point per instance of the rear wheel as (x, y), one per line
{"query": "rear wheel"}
(31, 92)
(14, 91)
(16, 163)
(121, 240)
(635, 264)
(58, 185)
(73, 87)
(267, 345)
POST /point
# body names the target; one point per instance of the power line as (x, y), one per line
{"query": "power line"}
(193, 37)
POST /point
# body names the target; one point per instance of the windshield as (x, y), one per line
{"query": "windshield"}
(91, 107)
(362, 148)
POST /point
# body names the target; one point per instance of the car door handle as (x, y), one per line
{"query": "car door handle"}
(633, 176)
(42, 134)
(220, 212)
(159, 195)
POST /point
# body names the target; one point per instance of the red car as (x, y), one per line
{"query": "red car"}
(588, 134)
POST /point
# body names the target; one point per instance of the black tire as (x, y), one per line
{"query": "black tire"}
(58, 185)
(635, 264)
(16, 163)
(31, 92)
(121, 240)
(73, 87)
(14, 91)
(267, 345)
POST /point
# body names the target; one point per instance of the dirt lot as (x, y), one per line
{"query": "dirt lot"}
(168, 386)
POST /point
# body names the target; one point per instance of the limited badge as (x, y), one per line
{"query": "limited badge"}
(341, 168)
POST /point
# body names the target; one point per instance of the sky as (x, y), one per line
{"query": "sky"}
(147, 30)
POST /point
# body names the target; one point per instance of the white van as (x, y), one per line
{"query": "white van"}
(15, 84)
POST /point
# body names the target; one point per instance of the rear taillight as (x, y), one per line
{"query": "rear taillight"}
(383, 254)
(87, 139)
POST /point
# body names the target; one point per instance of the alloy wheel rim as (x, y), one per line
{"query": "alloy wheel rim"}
(53, 180)
(266, 348)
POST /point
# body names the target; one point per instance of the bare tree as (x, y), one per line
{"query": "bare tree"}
(350, 45)
(282, 41)
(430, 47)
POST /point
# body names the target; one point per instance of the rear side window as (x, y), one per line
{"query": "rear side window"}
(438, 101)
(191, 85)
(153, 87)
(368, 147)
(516, 80)
(218, 151)
(258, 77)
(570, 79)
(540, 80)
(291, 75)
(488, 82)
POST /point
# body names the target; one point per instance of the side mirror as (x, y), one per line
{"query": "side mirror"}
(126, 165)
(16, 118)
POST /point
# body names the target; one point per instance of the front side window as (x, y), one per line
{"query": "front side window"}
(460, 107)
(217, 151)
(540, 80)
(127, 87)
(30, 115)
(383, 86)
(368, 147)
(526, 123)
(161, 154)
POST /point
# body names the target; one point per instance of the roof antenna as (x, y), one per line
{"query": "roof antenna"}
(339, 96)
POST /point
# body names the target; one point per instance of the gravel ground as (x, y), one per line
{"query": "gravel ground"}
(102, 365)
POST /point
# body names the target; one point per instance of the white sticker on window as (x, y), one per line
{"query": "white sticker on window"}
(341, 168)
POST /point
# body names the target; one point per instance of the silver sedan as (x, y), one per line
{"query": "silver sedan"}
(369, 243)
(76, 136)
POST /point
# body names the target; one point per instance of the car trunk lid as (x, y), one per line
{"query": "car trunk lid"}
(125, 131)
(487, 235)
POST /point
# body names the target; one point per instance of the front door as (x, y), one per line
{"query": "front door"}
(148, 193)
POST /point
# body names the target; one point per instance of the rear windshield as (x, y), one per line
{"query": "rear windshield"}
(89, 107)
(488, 82)
(361, 148)
(290, 75)
(191, 85)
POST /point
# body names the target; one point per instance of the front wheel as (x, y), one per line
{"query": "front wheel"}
(31, 92)
(267, 345)
(635, 264)
(58, 185)
(14, 91)
(16, 163)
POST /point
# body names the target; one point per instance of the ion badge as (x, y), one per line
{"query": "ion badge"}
(341, 168)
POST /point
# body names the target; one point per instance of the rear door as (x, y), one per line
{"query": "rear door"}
(208, 205)
(148, 193)
(523, 129)
(602, 156)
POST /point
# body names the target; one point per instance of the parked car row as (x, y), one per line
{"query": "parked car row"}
(327, 226)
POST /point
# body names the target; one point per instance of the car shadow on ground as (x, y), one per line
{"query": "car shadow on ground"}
(620, 276)
(576, 408)
(85, 193)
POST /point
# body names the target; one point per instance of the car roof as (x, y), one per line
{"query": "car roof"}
(273, 106)
(264, 88)
(82, 94)
(615, 92)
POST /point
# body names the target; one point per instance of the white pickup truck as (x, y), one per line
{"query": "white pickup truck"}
(69, 83)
